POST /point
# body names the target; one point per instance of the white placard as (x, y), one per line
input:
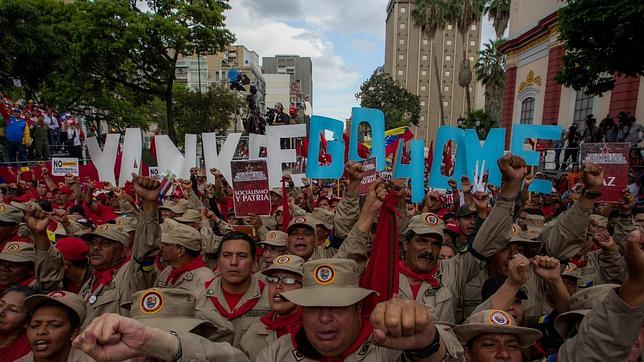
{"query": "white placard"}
(62, 166)
(154, 172)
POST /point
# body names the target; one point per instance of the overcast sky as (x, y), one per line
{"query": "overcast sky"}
(344, 38)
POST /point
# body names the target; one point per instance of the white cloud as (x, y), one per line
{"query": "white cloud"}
(268, 38)
(363, 45)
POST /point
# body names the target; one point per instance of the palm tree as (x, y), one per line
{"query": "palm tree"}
(470, 12)
(432, 16)
(490, 70)
(499, 12)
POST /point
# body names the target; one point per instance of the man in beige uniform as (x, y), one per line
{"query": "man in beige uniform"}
(273, 245)
(334, 327)
(283, 275)
(17, 264)
(428, 280)
(237, 295)
(201, 222)
(171, 209)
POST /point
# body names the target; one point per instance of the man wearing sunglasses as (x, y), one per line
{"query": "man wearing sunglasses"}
(283, 275)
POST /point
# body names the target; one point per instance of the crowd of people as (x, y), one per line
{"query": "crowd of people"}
(90, 271)
(29, 131)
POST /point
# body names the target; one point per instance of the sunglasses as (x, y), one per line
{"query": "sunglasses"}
(283, 280)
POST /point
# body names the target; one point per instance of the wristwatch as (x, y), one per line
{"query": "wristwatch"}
(425, 352)
(179, 353)
(590, 194)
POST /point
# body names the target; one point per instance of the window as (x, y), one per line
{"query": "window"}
(423, 73)
(527, 110)
(424, 57)
(447, 74)
(449, 42)
(472, 43)
(471, 59)
(423, 88)
(473, 27)
(402, 25)
(422, 118)
(449, 26)
(401, 57)
(402, 10)
(445, 104)
(425, 42)
(400, 72)
(401, 41)
(448, 58)
(422, 103)
(583, 106)
(446, 89)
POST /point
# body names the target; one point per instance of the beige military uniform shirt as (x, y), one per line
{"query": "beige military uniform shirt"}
(193, 281)
(137, 274)
(603, 267)
(75, 355)
(256, 339)
(346, 214)
(241, 323)
(454, 273)
(199, 349)
(49, 269)
(283, 351)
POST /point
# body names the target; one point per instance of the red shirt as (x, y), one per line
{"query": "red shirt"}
(232, 298)
(16, 350)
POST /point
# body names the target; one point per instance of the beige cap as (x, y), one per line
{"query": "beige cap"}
(11, 214)
(581, 303)
(179, 207)
(571, 270)
(289, 263)
(535, 225)
(275, 238)
(167, 309)
(518, 236)
(167, 204)
(108, 231)
(190, 216)
(18, 252)
(496, 322)
(183, 235)
(599, 220)
(329, 283)
(426, 223)
(70, 300)
(126, 208)
(324, 216)
(128, 224)
(306, 220)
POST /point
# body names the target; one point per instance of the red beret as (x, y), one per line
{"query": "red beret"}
(72, 248)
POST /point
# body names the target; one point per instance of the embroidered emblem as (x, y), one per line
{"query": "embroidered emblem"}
(500, 318)
(284, 259)
(56, 294)
(2, 208)
(151, 302)
(102, 227)
(431, 219)
(12, 247)
(324, 275)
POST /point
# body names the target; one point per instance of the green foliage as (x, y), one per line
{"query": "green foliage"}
(602, 39)
(208, 112)
(399, 105)
(485, 122)
(490, 70)
(499, 12)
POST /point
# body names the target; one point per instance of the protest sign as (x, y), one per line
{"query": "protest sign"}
(62, 166)
(369, 168)
(250, 187)
(154, 173)
(613, 157)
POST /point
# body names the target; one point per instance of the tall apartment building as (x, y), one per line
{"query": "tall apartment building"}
(409, 60)
(301, 71)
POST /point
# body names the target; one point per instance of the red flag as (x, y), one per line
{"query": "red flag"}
(153, 145)
(448, 165)
(286, 212)
(383, 264)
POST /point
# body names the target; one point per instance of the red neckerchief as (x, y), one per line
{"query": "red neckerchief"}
(429, 277)
(26, 282)
(282, 325)
(365, 333)
(104, 277)
(578, 262)
(175, 273)
(237, 312)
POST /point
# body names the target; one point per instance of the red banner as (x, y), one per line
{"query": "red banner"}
(613, 157)
(250, 185)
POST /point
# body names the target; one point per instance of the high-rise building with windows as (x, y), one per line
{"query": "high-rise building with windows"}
(301, 71)
(422, 64)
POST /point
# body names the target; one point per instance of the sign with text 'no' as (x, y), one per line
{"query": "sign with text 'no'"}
(63, 166)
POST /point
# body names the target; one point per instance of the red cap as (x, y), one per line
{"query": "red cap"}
(72, 248)
(65, 190)
(453, 228)
(292, 110)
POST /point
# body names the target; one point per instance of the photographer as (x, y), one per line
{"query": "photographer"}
(279, 117)
(573, 137)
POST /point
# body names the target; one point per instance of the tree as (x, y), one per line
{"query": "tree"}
(432, 16)
(120, 43)
(602, 39)
(490, 70)
(499, 12)
(469, 13)
(399, 105)
(218, 106)
(481, 121)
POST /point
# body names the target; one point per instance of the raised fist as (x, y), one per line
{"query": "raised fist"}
(513, 168)
(592, 176)
(146, 187)
(36, 219)
(354, 171)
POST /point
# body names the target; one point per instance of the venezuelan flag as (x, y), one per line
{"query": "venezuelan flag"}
(393, 135)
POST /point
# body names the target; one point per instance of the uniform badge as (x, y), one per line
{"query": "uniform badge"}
(297, 355)
(210, 292)
(299, 220)
(102, 227)
(188, 276)
(324, 274)
(2, 208)
(284, 259)
(430, 292)
(92, 299)
(365, 348)
(12, 247)
(431, 219)
(500, 318)
(151, 302)
(56, 294)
